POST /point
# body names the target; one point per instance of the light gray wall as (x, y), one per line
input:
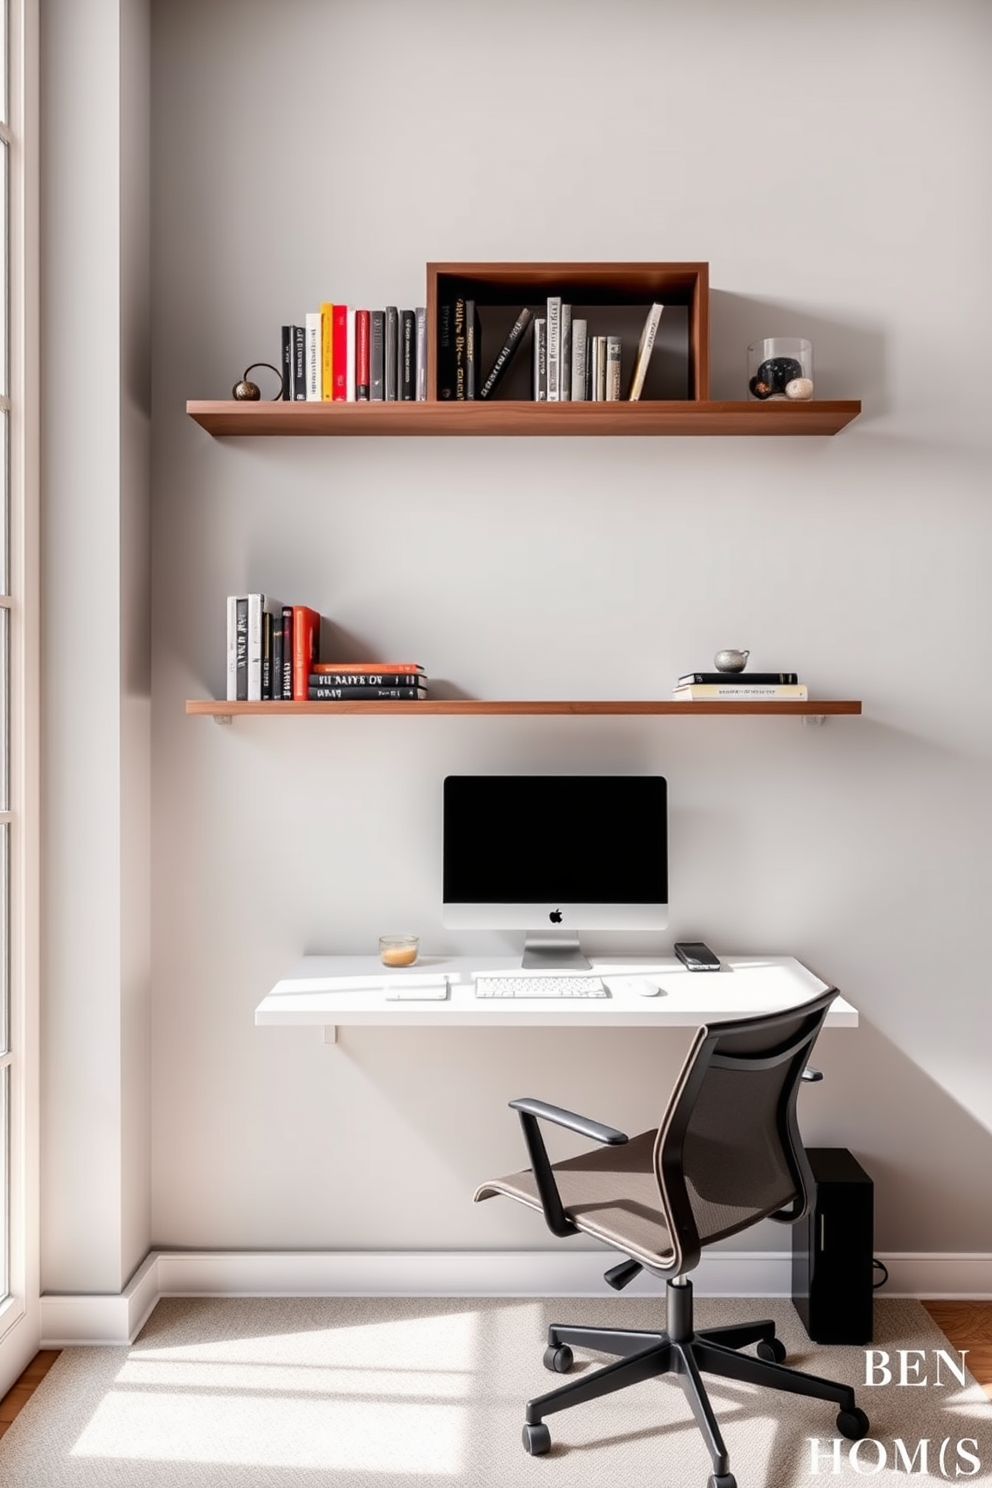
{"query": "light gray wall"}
(96, 657)
(829, 162)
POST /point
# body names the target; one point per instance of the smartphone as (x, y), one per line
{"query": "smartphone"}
(696, 955)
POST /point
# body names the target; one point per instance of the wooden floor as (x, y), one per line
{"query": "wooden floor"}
(965, 1325)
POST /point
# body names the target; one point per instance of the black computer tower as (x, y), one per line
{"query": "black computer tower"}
(832, 1271)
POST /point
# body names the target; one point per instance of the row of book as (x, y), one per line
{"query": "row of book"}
(735, 687)
(273, 654)
(344, 354)
(569, 364)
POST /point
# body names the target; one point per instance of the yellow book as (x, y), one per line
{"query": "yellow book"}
(327, 351)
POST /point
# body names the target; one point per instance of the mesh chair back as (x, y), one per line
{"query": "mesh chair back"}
(728, 1151)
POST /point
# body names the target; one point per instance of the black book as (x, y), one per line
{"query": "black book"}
(286, 361)
(514, 337)
(377, 333)
(389, 354)
(277, 644)
(324, 694)
(746, 679)
(299, 364)
(406, 369)
(458, 338)
(445, 352)
(287, 652)
(267, 655)
(241, 658)
(473, 346)
(366, 680)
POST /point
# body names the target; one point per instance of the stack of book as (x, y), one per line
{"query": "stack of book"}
(345, 355)
(366, 681)
(569, 364)
(739, 687)
(271, 648)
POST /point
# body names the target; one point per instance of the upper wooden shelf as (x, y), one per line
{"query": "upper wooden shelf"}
(817, 707)
(228, 418)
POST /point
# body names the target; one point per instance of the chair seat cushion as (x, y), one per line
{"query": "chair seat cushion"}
(610, 1192)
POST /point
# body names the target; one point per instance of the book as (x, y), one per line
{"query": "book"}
(327, 350)
(241, 649)
(267, 627)
(231, 689)
(287, 654)
(339, 353)
(565, 357)
(540, 360)
(644, 348)
(599, 369)
(286, 360)
(729, 692)
(406, 370)
(735, 679)
(504, 356)
(258, 605)
(472, 339)
(324, 694)
(445, 352)
(408, 667)
(554, 348)
(362, 374)
(278, 632)
(612, 369)
(314, 353)
(347, 677)
(421, 379)
(306, 648)
(299, 369)
(350, 334)
(458, 344)
(389, 346)
(580, 332)
(377, 335)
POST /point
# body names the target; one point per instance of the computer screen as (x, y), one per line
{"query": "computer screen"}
(551, 855)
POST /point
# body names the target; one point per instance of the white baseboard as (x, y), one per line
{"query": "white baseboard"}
(100, 1319)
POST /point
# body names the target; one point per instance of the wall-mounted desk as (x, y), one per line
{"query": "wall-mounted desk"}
(352, 991)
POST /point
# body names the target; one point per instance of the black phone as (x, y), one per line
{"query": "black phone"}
(696, 955)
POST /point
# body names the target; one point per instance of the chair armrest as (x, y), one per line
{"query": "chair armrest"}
(529, 1112)
(583, 1125)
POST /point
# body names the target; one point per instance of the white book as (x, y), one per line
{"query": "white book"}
(420, 385)
(644, 348)
(554, 348)
(540, 361)
(314, 353)
(612, 393)
(565, 358)
(232, 648)
(349, 380)
(580, 332)
(257, 605)
(728, 692)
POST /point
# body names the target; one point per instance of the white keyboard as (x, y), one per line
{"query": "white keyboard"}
(539, 985)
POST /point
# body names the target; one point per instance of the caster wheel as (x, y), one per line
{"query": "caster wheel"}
(537, 1439)
(853, 1424)
(772, 1349)
(558, 1358)
(721, 1480)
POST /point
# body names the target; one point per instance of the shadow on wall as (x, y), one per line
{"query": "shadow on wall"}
(848, 356)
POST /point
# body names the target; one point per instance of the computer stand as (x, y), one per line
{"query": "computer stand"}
(553, 950)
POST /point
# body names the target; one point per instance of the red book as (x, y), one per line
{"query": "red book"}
(363, 327)
(366, 666)
(306, 649)
(339, 354)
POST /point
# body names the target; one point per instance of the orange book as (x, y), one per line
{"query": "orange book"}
(366, 666)
(306, 649)
(340, 353)
(327, 350)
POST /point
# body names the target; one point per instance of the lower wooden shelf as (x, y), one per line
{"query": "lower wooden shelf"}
(464, 707)
(229, 418)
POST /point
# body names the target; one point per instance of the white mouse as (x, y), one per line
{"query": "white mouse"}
(644, 987)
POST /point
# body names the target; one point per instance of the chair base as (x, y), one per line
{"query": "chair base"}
(643, 1355)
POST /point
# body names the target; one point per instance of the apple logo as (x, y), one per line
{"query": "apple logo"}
(555, 917)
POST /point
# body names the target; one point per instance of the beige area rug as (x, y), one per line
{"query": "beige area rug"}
(410, 1392)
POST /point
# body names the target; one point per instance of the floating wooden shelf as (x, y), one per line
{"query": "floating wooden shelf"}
(463, 707)
(227, 418)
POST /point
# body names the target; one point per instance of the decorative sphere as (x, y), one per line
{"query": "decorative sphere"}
(246, 392)
(800, 388)
(777, 371)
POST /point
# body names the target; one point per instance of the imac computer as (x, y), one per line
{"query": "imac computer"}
(551, 855)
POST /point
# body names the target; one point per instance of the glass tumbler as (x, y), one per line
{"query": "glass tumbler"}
(780, 368)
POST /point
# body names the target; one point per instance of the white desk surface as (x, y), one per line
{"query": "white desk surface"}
(352, 991)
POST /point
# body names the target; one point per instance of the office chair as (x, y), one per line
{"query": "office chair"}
(726, 1154)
